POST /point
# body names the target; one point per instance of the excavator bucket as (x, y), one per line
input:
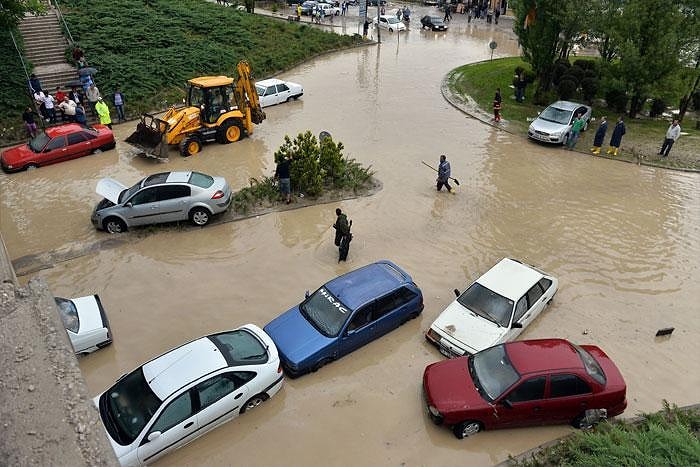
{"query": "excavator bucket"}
(150, 136)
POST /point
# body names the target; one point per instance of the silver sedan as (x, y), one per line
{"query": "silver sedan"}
(158, 198)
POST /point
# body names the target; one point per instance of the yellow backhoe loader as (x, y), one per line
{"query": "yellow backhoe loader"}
(218, 108)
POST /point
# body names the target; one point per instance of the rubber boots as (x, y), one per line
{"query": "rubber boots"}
(610, 150)
(595, 150)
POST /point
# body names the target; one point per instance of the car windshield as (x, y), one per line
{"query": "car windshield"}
(260, 90)
(69, 314)
(435, 20)
(39, 141)
(392, 20)
(201, 180)
(493, 372)
(592, 366)
(128, 406)
(487, 304)
(126, 194)
(240, 347)
(556, 115)
(325, 312)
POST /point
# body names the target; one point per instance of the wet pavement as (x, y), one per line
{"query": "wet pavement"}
(622, 239)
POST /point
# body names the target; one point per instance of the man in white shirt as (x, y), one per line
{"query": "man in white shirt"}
(672, 135)
(50, 111)
(68, 108)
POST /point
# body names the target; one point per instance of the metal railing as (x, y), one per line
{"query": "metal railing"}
(63, 20)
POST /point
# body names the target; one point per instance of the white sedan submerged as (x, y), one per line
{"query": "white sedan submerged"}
(389, 22)
(275, 91)
(494, 309)
(85, 322)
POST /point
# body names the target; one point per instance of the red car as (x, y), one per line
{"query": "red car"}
(57, 144)
(523, 383)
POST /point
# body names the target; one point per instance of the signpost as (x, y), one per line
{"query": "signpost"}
(492, 46)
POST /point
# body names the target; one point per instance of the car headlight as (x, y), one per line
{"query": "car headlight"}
(433, 335)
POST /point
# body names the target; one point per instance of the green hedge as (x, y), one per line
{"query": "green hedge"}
(13, 92)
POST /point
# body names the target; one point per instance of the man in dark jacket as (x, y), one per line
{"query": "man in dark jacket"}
(599, 136)
(616, 138)
(444, 172)
(343, 237)
(34, 84)
(284, 180)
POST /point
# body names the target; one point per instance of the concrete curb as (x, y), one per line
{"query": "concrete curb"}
(468, 106)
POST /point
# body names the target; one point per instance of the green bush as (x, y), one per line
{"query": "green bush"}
(589, 88)
(588, 65)
(616, 99)
(560, 69)
(305, 169)
(566, 88)
(331, 161)
(658, 106)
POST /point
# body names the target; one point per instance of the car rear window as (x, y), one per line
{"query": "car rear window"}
(240, 347)
(156, 179)
(201, 180)
(592, 367)
(69, 314)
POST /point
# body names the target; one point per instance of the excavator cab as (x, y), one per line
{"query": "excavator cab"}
(218, 108)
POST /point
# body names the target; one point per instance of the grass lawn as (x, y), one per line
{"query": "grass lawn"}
(640, 143)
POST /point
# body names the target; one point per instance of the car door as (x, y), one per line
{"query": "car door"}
(536, 301)
(569, 395)
(283, 92)
(524, 404)
(143, 208)
(384, 23)
(392, 310)
(175, 426)
(78, 145)
(173, 202)
(55, 150)
(221, 398)
(359, 330)
(271, 95)
(519, 311)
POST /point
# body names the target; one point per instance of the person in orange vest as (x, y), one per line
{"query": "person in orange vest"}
(497, 105)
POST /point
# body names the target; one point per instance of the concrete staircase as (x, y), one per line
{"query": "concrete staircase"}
(45, 47)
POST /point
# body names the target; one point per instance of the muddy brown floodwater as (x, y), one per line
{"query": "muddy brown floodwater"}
(622, 239)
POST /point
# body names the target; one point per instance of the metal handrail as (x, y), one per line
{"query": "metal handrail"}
(21, 58)
(60, 15)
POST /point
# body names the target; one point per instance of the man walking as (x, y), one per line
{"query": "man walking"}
(576, 129)
(444, 172)
(616, 138)
(672, 135)
(282, 175)
(343, 237)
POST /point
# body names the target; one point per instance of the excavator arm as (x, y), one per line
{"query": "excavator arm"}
(246, 95)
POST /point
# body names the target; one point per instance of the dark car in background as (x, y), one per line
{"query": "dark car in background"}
(307, 7)
(434, 23)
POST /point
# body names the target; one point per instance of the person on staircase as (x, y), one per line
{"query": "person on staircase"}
(80, 115)
(75, 96)
(93, 94)
(49, 104)
(67, 106)
(103, 112)
(34, 84)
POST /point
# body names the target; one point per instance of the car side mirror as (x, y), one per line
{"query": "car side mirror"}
(128, 205)
(457, 293)
(506, 403)
(516, 325)
(154, 435)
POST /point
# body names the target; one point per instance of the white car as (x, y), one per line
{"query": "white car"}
(329, 10)
(494, 309)
(85, 322)
(389, 22)
(553, 124)
(188, 391)
(275, 91)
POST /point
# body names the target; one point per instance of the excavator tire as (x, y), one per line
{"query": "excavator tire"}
(190, 146)
(229, 132)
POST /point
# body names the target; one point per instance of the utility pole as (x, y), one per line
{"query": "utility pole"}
(379, 36)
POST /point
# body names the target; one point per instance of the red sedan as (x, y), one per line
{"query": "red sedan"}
(57, 144)
(523, 383)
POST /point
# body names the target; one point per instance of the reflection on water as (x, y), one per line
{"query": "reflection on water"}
(622, 239)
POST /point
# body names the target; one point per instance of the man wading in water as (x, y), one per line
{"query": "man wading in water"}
(444, 172)
(343, 237)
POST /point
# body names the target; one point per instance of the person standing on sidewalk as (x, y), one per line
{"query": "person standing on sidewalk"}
(29, 122)
(576, 130)
(672, 135)
(599, 136)
(284, 179)
(616, 138)
(103, 112)
(444, 172)
(119, 103)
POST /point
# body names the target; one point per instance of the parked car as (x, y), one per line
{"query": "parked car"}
(57, 144)
(329, 9)
(343, 315)
(308, 7)
(553, 124)
(86, 323)
(187, 392)
(494, 309)
(389, 22)
(162, 197)
(434, 23)
(275, 91)
(536, 382)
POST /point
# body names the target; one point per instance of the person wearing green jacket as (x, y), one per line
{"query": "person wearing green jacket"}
(103, 112)
(576, 130)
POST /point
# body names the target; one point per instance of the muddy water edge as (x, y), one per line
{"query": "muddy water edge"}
(622, 239)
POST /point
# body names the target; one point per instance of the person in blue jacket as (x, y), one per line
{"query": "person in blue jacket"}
(599, 136)
(616, 138)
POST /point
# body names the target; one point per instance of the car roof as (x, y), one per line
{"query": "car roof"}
(566, 105)
(358, 287)
(182, 365)
(533, 356)
(166, 177)
(510, 278)
(269, 82)
(60, 130)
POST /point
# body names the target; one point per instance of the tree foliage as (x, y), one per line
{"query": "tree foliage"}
(12, 11)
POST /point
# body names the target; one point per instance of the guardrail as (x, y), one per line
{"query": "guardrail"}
(65, 25)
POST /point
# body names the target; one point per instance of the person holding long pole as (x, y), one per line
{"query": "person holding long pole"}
(444, 172)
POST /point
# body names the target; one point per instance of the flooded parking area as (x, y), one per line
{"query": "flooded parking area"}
(623, 240)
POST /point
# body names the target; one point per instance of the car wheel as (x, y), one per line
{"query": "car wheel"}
(229, 132)
(466, 428)
(31, 167)
(190, 146)
(320, 364)
(253, 402)
(200, 217)
(114, 225)
(391, 30)
(97, 151)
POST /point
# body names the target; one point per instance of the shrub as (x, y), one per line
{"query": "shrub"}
(331, 160)
(585, 64)
(305, 169)
(575, 74)
(589, 87)
(530, 76)
(616, 99)
(566, 88)
(560, 69)
(657, 107)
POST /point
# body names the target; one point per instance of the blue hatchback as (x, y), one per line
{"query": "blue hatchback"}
(343, 315)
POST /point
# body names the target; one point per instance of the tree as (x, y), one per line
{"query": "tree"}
(690, 52)
(604, 32)
(12, 11)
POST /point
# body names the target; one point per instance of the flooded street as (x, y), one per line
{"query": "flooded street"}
(623, 240)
